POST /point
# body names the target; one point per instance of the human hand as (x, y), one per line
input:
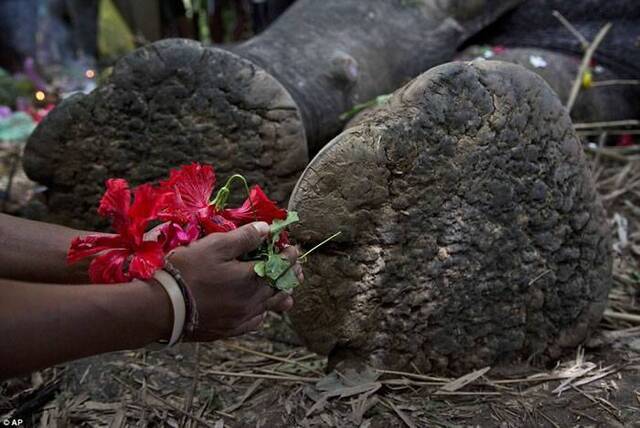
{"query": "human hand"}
(230, 298)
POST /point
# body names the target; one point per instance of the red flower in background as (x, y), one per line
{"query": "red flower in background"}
(127, 255)
(625, 140)
(37, 114)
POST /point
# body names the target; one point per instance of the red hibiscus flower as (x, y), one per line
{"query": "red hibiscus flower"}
(126, 255)
(173, 235)
(257, 207)
(183, 203)
(191, 187)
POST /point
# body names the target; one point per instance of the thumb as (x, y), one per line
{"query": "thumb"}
(245, 239)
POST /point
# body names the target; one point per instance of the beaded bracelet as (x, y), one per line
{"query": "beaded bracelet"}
(192, 312)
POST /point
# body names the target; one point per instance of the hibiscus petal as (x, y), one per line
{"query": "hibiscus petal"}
(172, 235)
(86, 246)
(147, 202)
(108, 268)
(193, 184)
(174, 209)
(216, 224)
(283, 240)
(146, 260)
(263, 209)
(116, 202)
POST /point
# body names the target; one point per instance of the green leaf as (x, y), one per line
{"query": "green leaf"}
(278, 225)
(259, 269)
(287, 282)
(275, 266)
(376, 102)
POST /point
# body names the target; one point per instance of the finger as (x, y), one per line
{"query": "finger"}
(258, 302)
(264, 291)
(248, 326)
(297, 269)
(291, 253)
(281, 302)
(247, 282)
(244, 239)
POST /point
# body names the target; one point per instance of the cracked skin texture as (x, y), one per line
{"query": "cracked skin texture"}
(472, 234)
(165, 105)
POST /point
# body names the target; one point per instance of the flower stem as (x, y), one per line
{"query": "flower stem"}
(308, 252)
(319, 245)
(221, 198)
(223, 194)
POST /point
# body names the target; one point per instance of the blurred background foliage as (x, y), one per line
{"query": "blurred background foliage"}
(51, 49)
(115, 38)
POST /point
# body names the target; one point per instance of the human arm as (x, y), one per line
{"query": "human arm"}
(46, 324)
(43, 324)
(37, 252)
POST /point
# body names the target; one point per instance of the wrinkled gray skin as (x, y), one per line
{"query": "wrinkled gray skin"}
(164, 107)
(532, 25)
(471, 230)
(321, 57)
(332, 54)
(593, 104)
(531, 30)
(258, 110)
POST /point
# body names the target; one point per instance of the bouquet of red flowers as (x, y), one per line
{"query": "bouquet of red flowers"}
(184, 210)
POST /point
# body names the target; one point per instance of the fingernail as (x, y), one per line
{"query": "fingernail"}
(288, 303)
(262, 228)
(264, 316)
